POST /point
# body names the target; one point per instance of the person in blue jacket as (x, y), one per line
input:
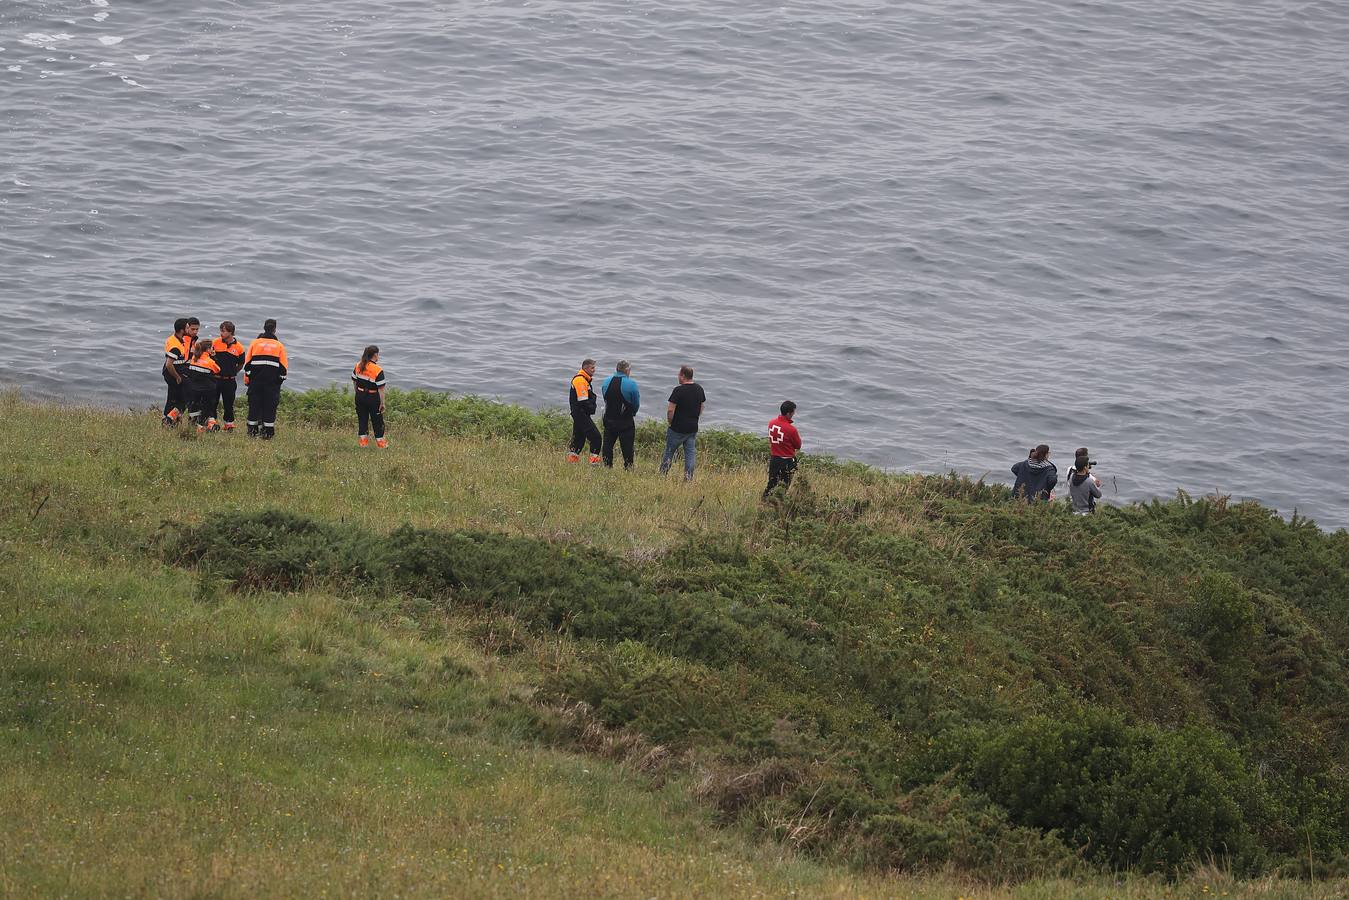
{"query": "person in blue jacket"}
(621, 401)
(1035, 476)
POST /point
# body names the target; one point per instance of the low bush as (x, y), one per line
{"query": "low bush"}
(1133, 796)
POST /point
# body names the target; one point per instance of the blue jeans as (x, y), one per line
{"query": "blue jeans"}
(673, 441)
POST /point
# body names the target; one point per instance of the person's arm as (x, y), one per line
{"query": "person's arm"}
(669, 413)
(636, 398)
(285, 363)
(381, 398)
(795, 438)
(169, 367)
(1095, 487)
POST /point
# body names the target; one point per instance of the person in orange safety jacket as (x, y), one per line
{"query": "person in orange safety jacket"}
(265, 368)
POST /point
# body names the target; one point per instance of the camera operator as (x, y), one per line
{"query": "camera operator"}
(1084, 488)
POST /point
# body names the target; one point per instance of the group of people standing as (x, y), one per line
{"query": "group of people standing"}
(623, 398)
(1036, 478)
(202, 377)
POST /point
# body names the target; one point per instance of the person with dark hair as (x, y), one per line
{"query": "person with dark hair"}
(621, 402)
(177, 348)
(1084, 488)
(783, 443)
(228, 353)
(581, 399)
(681, 415)
(202, 374)
(368, 379)
(265, 368)
(1035, 476)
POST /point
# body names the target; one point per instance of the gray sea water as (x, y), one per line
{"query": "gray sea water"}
(949, 230)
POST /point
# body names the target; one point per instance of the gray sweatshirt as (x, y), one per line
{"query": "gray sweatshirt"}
(1083, 490)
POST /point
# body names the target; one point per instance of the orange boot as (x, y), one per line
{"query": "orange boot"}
(365, 441)
(382, 443)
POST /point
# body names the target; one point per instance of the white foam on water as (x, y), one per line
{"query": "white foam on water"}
(99, 2)
(14, 68)
(100, 16)
(19, 183)
(108, 40)
(131, 81)
(142, 57)
(41, 39)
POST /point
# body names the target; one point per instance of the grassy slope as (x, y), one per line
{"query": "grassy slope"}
(161, 732)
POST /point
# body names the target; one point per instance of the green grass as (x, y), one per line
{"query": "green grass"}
(479, 671)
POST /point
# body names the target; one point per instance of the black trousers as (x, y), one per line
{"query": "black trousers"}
(367, 414)
(622, 433)
(177, 398)
(583, 430)
(263, 399)
(201, 401)
(780, 471)
(227, 388)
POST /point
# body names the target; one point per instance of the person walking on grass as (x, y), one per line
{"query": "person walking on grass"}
(783, 443)
(681, 415)
(177, 348)
(202, 375)
(621, 402)
(1035, 476)
(581, 399)
(265, 367)
(368, 379)
(229, 355)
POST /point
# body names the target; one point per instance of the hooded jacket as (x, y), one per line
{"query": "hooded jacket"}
(1083, 490)
(1035, 478)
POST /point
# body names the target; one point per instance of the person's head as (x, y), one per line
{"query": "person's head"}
(1040, 453)
(1081, 453)
(623, 367)
(269, 329)
(588, 366)
(1082, 465)
(685, 374)
(180, 326)
(227, 329)
(788, 409)
(368, 355)
(193, 326)
(201, 348)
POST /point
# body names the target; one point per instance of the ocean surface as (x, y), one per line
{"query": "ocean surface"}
(948, 230)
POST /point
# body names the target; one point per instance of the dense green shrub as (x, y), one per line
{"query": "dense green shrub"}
(537, 581)
(1130, 796)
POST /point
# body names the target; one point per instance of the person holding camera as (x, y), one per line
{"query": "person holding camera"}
(1084, 488)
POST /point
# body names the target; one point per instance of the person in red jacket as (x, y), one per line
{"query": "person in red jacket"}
(783, 442)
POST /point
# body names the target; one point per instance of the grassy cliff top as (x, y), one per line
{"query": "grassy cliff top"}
(463, 666)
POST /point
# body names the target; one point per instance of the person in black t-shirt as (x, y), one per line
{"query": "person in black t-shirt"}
(686, 405)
